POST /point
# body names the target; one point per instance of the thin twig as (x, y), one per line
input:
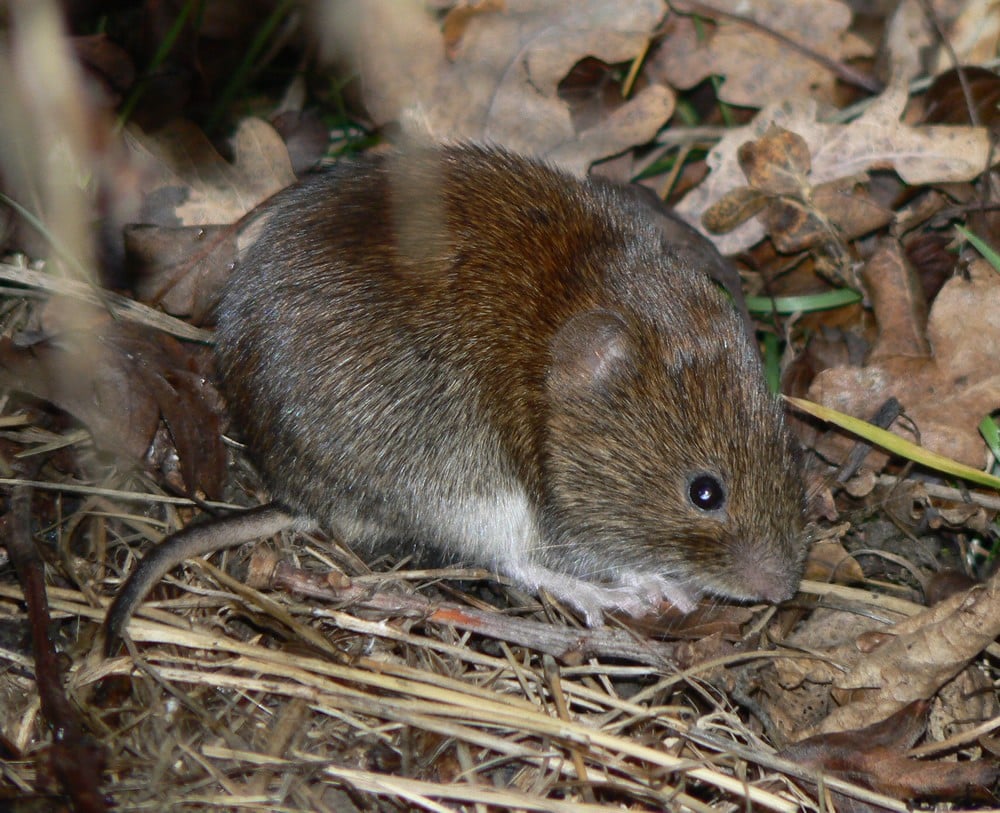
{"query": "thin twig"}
(76, 759)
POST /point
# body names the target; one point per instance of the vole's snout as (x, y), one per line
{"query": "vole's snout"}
(779, 591)
(770, 580)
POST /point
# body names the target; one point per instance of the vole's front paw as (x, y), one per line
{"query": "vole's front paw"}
(634, 594)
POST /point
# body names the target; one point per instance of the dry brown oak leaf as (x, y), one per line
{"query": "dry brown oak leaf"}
(177, 251)
(875, 672)
(875, 756)
(758, 68)
(946, 382)
(875, 140)
(498, 79)
(187, 182)
(119, 379)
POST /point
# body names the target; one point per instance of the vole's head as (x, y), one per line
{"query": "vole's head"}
(666, 456)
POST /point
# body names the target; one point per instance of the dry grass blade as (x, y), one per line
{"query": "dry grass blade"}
(484, 710)
(119, 306)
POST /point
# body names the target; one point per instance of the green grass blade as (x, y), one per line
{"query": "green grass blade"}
(981, 246)
(802, 304)
(990, 431)
(895, 444)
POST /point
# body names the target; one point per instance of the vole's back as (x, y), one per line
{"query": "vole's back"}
(390, 327)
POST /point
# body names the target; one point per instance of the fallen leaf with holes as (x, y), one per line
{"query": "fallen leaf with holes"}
(945, 394)
(839, 155)
(756, 66)
(118, 379)
(816, 694)
(789, 710)
(796, 695)
(875, 756)
(189, 184)
(497, 76)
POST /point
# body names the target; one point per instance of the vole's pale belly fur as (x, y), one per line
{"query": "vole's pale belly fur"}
(502, 531)
(461, 350)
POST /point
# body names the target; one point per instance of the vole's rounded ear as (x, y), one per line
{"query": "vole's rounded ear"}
(587, 352)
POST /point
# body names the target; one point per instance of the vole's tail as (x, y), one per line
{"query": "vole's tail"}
(195, 540)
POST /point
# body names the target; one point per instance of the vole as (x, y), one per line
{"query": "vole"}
(463, 350)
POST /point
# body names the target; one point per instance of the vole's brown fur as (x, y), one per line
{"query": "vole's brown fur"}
(464, 350)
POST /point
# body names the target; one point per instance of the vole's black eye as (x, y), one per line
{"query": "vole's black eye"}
(706, 492)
